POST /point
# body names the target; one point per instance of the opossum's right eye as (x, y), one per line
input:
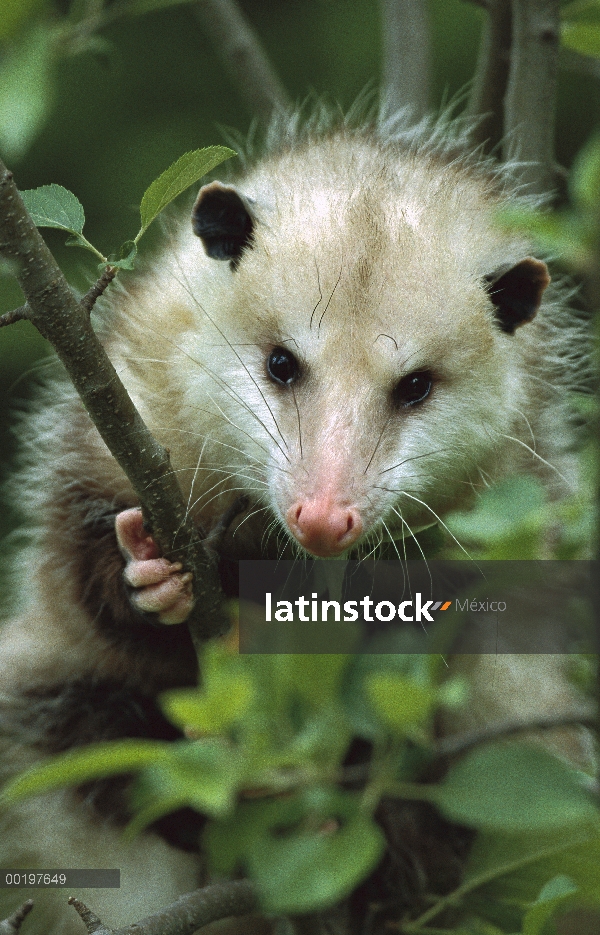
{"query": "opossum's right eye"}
(282, 366)
(413, 388)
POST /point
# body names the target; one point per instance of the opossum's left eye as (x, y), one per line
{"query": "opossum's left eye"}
(413, 388)
(282, 366)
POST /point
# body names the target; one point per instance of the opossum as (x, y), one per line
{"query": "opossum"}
(346, 335)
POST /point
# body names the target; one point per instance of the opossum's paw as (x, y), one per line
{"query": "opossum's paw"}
(159, 586)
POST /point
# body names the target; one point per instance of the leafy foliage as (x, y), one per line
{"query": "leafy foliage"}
(266, 739)
(55, 206)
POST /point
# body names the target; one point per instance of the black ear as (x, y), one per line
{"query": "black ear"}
(222, 221)
(518, 292)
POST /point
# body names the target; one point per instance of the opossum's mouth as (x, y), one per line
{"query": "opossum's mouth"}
(334, 533)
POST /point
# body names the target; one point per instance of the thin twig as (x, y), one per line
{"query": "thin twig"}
(486, 100)
(61, 319)
(188, 913)
(455, 897)
(17, 314)
(461, 743)
(92, 295)
(12, 925)
(406, 56)
(244, 58)
(531, 93)
(91, 921)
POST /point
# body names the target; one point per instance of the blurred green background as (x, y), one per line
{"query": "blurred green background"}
(148, 88)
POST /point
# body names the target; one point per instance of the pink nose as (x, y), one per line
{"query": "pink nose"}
(324, 528)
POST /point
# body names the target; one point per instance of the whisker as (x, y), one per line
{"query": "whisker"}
(377, 444)
(187, 506)
(217, 495)
(205, 493)
(527, 423)
(427, 454)
(535, 455)
(247, 434)
(378, 542)
(260, 509)
(240, 359)
(146, 360)
(299, 426)
(442, 523)
(419, 546)
(233, 394)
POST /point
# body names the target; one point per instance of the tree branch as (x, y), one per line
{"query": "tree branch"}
(486, 100)
(461, 743)
(531, 93)
(188, 913)
(62, 320)
(12, 925)
(243, 56)
(406, 56)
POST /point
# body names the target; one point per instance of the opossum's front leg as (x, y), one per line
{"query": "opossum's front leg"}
(159, 586)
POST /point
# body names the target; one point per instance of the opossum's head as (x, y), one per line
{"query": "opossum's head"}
(368, 348)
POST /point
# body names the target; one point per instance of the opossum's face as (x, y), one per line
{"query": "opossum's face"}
(369, 367)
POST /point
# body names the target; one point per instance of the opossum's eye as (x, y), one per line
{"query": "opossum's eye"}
(413, 388)
(282, 366)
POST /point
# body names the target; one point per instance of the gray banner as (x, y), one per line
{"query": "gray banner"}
(319, 606)
(80, 879)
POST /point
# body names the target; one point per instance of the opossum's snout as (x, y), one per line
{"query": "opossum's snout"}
(323, 527)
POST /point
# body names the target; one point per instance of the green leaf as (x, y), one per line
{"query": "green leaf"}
(509, 519)
(55, 206)
(401, 702)
(213, 708)
(81, 765)
(514, 787)
(316, 676)
(313, 870)
(584, 182)
(554, 895)
(582, 37)
(25, 92)
(304, 853)
(228, 842)
(203, 775)
(188, 169)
